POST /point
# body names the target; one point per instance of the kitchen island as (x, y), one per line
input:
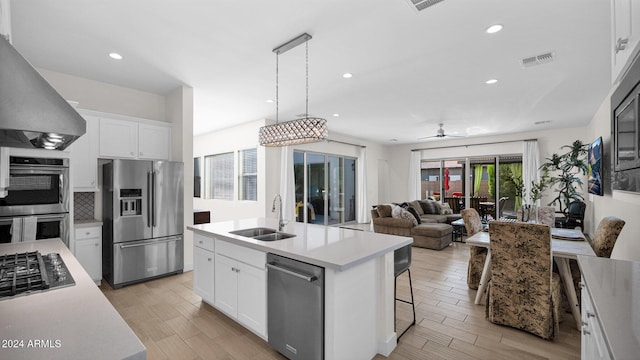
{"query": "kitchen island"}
(75, 322)
(359, 279)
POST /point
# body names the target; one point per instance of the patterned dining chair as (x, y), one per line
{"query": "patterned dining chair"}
(523, 292)
(606, 235)
(547, 215)
(473, 224)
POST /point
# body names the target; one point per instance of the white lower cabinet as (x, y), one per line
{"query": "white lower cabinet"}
(203, 273)
(89, 251)
(241, 285)
(593, 344)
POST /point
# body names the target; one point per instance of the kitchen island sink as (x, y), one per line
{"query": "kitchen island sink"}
(253, 232)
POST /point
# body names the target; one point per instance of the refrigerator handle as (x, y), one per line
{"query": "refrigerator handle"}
(149, 224)
(153, 201)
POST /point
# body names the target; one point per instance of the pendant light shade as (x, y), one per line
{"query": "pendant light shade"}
(299, 131)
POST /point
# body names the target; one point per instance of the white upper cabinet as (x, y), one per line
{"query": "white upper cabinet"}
(134, 140)
(118, 138)
(153, 142)
(84, 157)
(625, 32)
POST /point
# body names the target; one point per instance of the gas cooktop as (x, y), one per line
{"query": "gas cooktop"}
(30, 272)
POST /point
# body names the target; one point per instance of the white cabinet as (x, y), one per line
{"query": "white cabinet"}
(593, 344)
(84, 157)
(153, 142)
(203, 267)
(118, 138)
(625, 32)
(88, 250)
(134, 140)
(241, 285)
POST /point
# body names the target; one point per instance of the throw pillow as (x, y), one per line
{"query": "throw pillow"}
(415, 214)
(417, 207)
(400, 213)
(438, 207)
(446, 209)
(428, 207)
(384, 210)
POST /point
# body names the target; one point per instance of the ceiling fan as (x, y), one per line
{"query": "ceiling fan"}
(439, 134)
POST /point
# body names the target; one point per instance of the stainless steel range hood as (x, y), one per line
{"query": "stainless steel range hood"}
(32, 113)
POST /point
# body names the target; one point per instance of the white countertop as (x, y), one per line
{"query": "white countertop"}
(78, 321)
(326, 246)
(614, 287)
(86, 223)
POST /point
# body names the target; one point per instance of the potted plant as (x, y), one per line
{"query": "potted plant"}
(566, 170)
(535, 194)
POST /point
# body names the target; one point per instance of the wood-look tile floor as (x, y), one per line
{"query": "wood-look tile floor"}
(173, 322)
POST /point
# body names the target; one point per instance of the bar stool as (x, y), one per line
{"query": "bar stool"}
(402, 262)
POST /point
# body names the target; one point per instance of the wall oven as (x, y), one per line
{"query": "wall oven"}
(36, 206)
(34, 227)
(36, 186)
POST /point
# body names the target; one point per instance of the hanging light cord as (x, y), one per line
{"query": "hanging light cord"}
(277, 76)
(306, 109)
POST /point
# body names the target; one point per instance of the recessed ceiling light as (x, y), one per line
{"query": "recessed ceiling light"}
(115, 56)
(494, 28)
(491, 81)
(347, 75)
(269, 101)
(336, 115)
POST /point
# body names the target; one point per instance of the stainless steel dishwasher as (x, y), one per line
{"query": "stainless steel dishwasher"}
(295, 303)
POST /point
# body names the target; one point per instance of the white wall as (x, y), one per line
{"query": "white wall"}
(103, 97)
(625, 205)
(180, 113)
(246, 136)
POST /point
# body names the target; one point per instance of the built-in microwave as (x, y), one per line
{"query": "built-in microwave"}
(36, 186)
(34, 227)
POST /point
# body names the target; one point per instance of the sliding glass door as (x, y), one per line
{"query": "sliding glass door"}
(327, 185)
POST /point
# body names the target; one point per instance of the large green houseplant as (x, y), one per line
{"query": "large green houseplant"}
(565, 171)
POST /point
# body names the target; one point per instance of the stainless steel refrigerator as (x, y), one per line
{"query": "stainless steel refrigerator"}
(142, 213)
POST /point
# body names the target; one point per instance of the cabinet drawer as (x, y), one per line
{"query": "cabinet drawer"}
(246, 255)
(88, 233)
(204, 242)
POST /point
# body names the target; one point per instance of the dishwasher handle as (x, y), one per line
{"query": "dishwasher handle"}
(308, 278)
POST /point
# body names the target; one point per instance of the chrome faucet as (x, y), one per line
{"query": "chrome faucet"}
(281, 221)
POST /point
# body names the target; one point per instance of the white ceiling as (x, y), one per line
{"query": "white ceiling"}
(412, 70)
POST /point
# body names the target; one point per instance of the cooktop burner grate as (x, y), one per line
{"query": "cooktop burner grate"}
(25, 273)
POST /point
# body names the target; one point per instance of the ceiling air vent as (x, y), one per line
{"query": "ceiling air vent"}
(423, 4)
(538, 60)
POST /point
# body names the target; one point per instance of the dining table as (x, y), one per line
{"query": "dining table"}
(566, 244)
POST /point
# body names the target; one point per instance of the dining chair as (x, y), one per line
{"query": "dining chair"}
(477, 256)
(547, 215)
(575, 215)
(523, 292)
(606, 235)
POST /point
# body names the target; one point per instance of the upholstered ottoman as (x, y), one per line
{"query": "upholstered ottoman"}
(432, 236)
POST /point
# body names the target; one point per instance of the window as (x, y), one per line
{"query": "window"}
(197, 177)
(248, 175)
(219, 175)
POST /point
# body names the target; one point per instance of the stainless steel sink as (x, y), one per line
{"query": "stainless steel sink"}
(274, 236)
(253, 232)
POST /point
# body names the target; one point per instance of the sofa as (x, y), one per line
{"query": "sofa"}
(429, 231)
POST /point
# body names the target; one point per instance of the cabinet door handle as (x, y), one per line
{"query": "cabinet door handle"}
(87, 233)
(621, 44)
(141, 154)
(208, 259)
(585, 332)
(132, 153)
(97, 244)
(590, 314)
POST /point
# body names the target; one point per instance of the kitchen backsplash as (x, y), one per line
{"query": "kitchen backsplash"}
(83, 205)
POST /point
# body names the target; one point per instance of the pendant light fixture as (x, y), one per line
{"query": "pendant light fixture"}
(299, 131)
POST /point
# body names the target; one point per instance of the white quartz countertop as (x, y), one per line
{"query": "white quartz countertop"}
(614, 287)
(326, 246)
(75, 322)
